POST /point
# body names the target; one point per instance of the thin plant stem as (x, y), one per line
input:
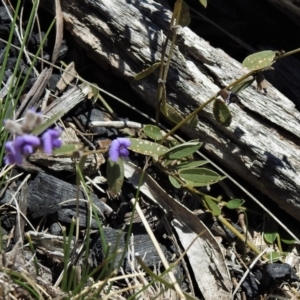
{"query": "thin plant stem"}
(196, 111)
(164, 68)
(157, 247)
(287, 54)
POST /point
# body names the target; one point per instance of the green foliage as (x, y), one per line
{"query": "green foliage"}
(182, 150)
(270, 231)
(115, 175)
(259, 60)
(146, 147)
(212, 206)
(242, 85)
(153, 132)
(191, 165)
(222, 113)
(234, 203)
(274, 256)
(147, 71)
(199, 177)
(185, 17)
(203, 2)
(286, 238)
(171, 114)
(67, 149)
(174, 182)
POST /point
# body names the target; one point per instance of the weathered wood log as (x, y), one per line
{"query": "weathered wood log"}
(142, 244)
(46, 195)
(53, 247)
(261, 144)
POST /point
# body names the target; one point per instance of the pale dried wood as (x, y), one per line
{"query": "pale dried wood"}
(68, 100)
(260, 146)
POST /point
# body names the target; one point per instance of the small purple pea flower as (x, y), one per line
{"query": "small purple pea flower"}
(118, 147)
(26, 143)
(22, 145)
(12, 156)
(51, 139)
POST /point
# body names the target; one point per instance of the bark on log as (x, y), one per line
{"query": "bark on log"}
(262, 143)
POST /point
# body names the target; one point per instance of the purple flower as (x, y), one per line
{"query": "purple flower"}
(118, 147)
(12, 156)
(26, 143)
(22, 145)
(51, 139)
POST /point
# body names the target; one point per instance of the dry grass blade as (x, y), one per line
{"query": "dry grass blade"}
(59, 30)
(158, 249)
(150, 188)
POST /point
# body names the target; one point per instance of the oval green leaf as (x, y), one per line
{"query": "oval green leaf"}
(147, 148)
(199, 176)
(115, 175)
(234, 203)
(203, 2)
(171, 114)
(270, 231)
(222, 113)
(192, 164)
(185, 17)
(147, 72)
(274, 256)
(212, 206)
(174, 182)
(286, 238)
(67, 149)
(182, 150)
(242, 85)
(259, 60)
(153, 132)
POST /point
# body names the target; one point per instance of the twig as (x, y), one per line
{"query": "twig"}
(157, 247)
(117, 124)
(248, 271)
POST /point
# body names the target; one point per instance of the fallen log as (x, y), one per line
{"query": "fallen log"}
(262, 143)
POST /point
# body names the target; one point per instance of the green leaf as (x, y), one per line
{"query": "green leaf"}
(212, 206)
(67, 149)
(94, 92)
(171, 114)
(153, 132)
(38, 130)
(199, 176)
(193, 122)
(270, 231)
(185, 17)
(222, 113)
(259, 60)
(242, 85)
(234, 203)
(203, 2)
(286, 238)
(147, 148)
(182, 150)
(115, 175)
(191, 165)
(274, 256)
(147, 72)
(174, 182)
